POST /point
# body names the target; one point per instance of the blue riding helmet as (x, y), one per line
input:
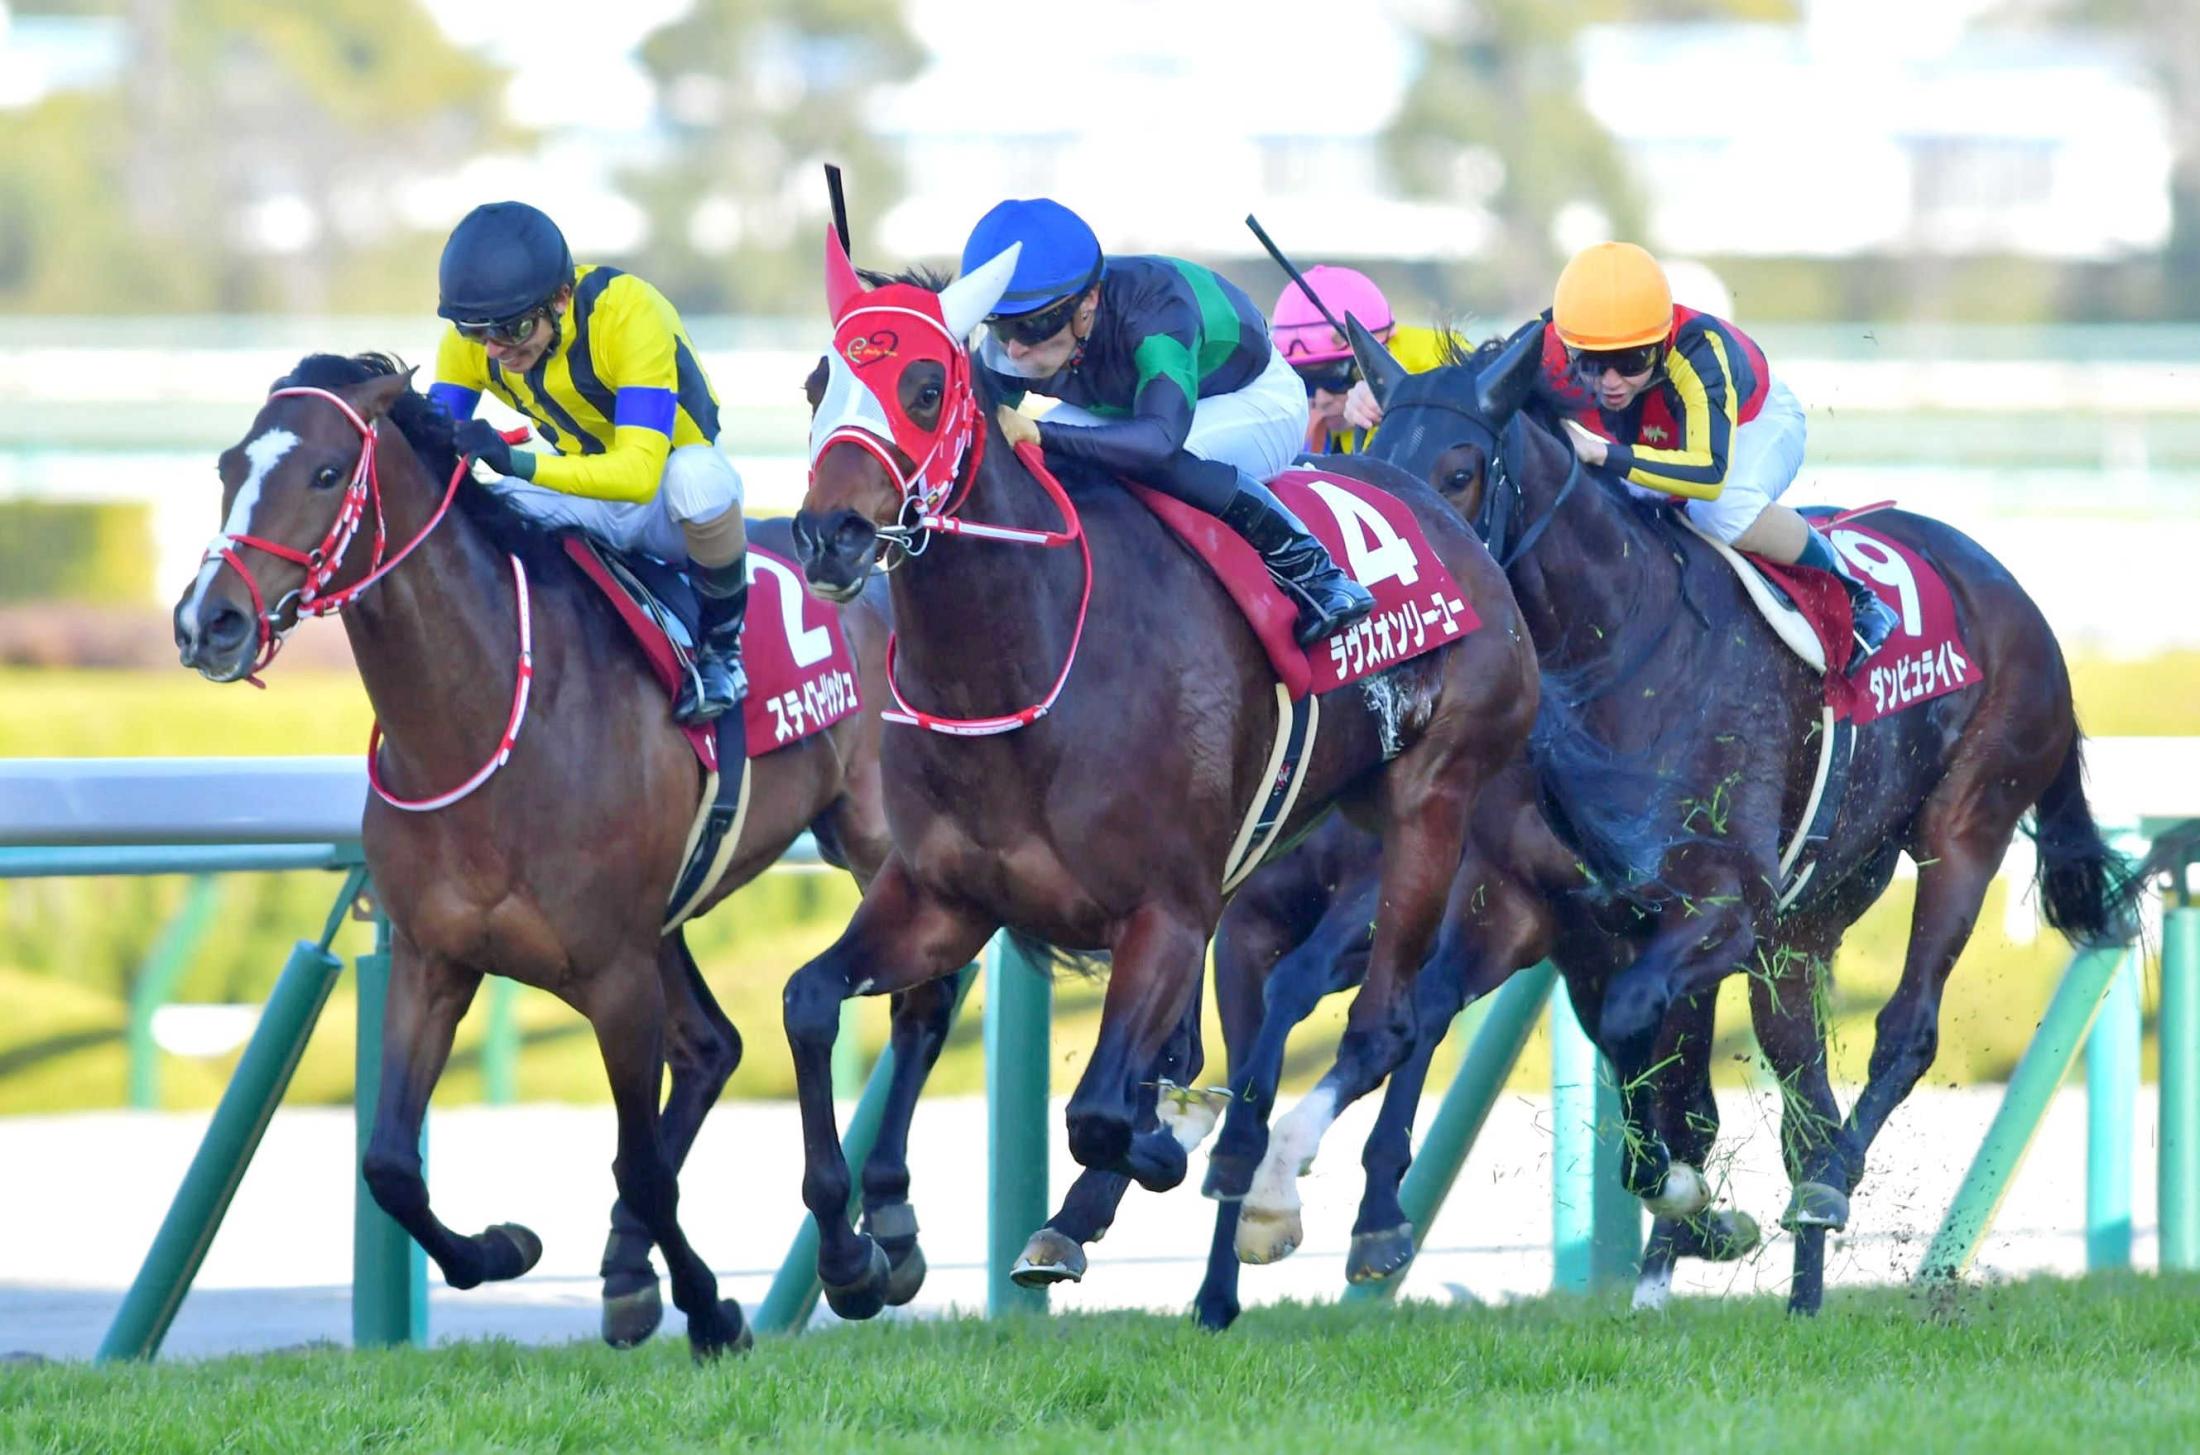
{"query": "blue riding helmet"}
(502, 259)
(1061, 256)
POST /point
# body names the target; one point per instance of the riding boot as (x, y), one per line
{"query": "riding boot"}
(718, 682)
(1872, 619)
(1328, 599)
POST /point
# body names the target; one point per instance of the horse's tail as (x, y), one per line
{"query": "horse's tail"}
(1052, 959)
(2087, 890)
(1610, 807)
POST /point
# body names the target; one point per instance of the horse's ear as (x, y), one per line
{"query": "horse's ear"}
(965, 302)
(842, 286)
(1503, 383)
(1378, 365)
(379, 395)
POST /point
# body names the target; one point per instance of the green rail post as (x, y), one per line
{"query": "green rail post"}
(156, 980)
(2062, 1030)
(794, 1291)
(2111, 1098)
(389, 1272)
(248, 1103)
(2178, 1032)
(500, 1044)
(1019, 1012)
(1596, 1227)
(1506, 1026)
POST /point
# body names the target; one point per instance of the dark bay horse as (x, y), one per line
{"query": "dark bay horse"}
(1675, 667)
(1108, 727)
(557, 871)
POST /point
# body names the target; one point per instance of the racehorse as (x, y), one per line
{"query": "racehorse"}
(1101, 814)
(1678, 669)
(557, 871)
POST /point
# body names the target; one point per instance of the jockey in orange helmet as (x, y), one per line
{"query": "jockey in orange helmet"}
(1677, 402)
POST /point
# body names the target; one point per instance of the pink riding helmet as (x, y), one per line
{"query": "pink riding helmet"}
(1304, 335)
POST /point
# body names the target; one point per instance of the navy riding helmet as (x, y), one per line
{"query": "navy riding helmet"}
(1061, 257)
(503, 259)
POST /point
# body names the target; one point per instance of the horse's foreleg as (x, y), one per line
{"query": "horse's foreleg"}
(1158, 957)
(1816, 1149)
(921, 1017)
(1689, 953)
(1422, 854)
(626, 1006)
(703, 1049)
(901, 936)
(1687, 1117)
(427, 997)
(1332, 958)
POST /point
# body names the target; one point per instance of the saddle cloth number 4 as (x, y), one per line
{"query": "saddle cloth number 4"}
(1373, 551)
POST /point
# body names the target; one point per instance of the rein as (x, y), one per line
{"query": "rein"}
(325, 560)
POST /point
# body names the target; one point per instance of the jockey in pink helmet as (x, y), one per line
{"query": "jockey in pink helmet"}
(1323, 358)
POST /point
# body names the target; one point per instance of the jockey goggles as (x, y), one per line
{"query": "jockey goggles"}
(1036, 328)
(1590, 364)
(1335, 377)
(509, 332)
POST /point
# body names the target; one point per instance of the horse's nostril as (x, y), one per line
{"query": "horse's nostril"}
(226, 628)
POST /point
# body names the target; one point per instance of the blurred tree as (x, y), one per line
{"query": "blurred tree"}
(2165, 34)
(247, 155)
(1496, 110)
(757, 95)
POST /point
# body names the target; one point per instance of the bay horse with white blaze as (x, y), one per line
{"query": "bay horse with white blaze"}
(1099, 814)
(555, 871)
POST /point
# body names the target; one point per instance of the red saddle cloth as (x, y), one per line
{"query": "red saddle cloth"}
(1373, 536)
(802, 677)
(1923, 657)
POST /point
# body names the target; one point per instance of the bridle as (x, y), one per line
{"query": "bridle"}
(321, 565)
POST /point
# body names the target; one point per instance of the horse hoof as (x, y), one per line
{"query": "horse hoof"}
(866, 1295)
(1728, 1237)
(1229, 1176)
(1653, 1289)
(1189, 1113)
(1683, 1194)
(1816, 1205)
(1268, 1237)
(1050, 1257)
(1376, 1257)
(905, 1278)
(728, 1333)
(630, 1318)
(1215, 1315)
(507, 1251)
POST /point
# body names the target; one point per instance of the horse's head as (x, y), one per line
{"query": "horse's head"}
(1445, 426)
(294, 491)
(894, 412)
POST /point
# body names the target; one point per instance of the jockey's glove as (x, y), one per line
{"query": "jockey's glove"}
(480, 439)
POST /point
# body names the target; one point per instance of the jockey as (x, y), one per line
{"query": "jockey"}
(1323, 359)
(1677, 402)
(598, 361)
(1167, 376)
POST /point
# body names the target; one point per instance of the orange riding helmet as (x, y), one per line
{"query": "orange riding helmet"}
(1612, 296)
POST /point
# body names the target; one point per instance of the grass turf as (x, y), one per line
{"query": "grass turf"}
(2110, 1363)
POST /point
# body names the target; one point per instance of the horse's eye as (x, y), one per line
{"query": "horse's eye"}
(326, 477)
(928, 397)
(1459, 479)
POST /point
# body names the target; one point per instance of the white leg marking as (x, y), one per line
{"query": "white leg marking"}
(1189, 1113)
(263, 452)
(1654, 1288)
(1291, 1147)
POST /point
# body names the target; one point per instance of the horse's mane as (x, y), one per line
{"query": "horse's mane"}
(428, 429)
(931, 280)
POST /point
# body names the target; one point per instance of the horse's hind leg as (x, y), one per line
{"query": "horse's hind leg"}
(427, 997)
(627, 1009)
(1159, 955)
(703, 1049)
(921, 1017)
